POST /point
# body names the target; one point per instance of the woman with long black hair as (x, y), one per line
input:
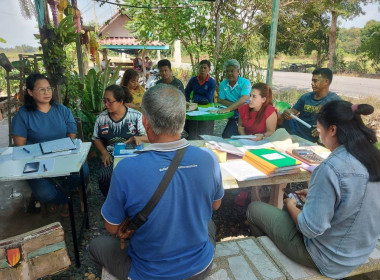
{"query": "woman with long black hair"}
(338, 227)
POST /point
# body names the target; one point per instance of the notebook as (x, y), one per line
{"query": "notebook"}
(58, 145)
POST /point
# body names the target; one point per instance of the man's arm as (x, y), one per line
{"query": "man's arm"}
(216, 204)
(286, 115)
(112, 229)
(232, 106)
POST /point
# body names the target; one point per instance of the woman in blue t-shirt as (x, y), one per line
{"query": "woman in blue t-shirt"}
(40, 120)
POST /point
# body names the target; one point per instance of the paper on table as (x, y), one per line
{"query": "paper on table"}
(20, 153)
(251, 145)
(242, 170)
(48, 163)
(243, 137)
(196, 113)
(6, 154)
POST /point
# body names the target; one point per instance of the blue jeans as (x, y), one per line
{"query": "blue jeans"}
(231, 128)
(45, 190)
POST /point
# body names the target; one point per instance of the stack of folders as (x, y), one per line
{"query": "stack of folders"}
(272, 162)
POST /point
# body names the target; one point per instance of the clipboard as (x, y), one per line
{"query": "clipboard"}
(59, 145)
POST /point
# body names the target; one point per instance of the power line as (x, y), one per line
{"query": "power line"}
(148, 7)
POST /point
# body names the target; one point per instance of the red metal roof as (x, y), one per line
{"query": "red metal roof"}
(127, 41)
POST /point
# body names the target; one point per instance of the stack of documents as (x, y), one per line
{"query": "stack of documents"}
(271, 162)
(234, 146)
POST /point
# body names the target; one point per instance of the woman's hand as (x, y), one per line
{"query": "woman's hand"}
(106, 159)
(302, 194)
(290, 202)
(259, 136)
(134, 139)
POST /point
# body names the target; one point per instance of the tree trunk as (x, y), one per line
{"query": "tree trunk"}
(332, 39)
(217, 40)
(319, 62)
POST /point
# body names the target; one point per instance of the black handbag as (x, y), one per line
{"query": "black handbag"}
(128, 227)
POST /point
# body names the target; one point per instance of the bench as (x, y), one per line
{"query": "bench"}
(124, 65)
(258, 258)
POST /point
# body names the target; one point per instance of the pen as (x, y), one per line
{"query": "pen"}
(45, 169)
(26, 150)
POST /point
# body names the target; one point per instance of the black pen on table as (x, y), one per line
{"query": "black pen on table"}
(45, 169)
(26, 150)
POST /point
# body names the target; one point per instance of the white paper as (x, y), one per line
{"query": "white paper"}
(243, 137)
(196, 113)
(242, 170)
(48, 163)
(273, 156)
(20, 153)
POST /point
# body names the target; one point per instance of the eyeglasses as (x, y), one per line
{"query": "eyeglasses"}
(105, 101)
(45, 90)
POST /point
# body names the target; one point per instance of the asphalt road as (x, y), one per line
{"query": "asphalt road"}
(348, 86)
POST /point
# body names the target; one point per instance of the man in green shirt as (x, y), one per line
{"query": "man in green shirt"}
(165, 69)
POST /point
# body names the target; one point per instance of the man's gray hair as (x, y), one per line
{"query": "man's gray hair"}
(232, 62)
(165, 108)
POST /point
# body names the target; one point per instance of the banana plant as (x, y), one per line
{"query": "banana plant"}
(96, 81)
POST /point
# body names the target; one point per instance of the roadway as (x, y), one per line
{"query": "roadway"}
(344, 85)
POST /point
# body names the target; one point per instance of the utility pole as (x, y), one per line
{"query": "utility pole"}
(95, 17)
(272, 41)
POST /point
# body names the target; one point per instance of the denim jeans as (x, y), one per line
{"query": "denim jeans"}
(231, 128)
(45, 190)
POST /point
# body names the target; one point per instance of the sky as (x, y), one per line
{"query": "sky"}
(17, 30)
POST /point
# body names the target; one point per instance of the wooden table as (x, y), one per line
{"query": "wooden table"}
(277, 183)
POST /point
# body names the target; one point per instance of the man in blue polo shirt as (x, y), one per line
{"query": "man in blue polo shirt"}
(202, 86)
(233, 92)
(308, 106)
(178, 239)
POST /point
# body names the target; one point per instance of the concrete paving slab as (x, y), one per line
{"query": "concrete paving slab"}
(243, 259)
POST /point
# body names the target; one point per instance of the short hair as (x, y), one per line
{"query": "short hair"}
(120, 93)
(129, 74)
(205, 61)
(358, 139)
(325, 73)
(165, 108)
(164, 62)
(232, 62)
(29, 102)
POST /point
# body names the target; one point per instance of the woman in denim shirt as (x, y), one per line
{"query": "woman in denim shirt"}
(338, 227)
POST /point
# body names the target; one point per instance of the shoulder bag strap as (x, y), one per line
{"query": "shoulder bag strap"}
(142, 216)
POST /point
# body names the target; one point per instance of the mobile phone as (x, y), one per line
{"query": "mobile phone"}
(31, 167)
(292, 194)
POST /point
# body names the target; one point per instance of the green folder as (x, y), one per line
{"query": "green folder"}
(276, 158)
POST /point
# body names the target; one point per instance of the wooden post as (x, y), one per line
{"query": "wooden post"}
(9, 110)
(272, 41)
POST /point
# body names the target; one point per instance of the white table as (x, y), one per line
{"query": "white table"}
(64, 165)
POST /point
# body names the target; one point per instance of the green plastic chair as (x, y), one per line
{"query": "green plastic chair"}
(281, 106)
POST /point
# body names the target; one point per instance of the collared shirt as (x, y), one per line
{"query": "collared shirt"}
(175, 82)
(340, 219)
(173, 243)
(201, 91)
(233, 94)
